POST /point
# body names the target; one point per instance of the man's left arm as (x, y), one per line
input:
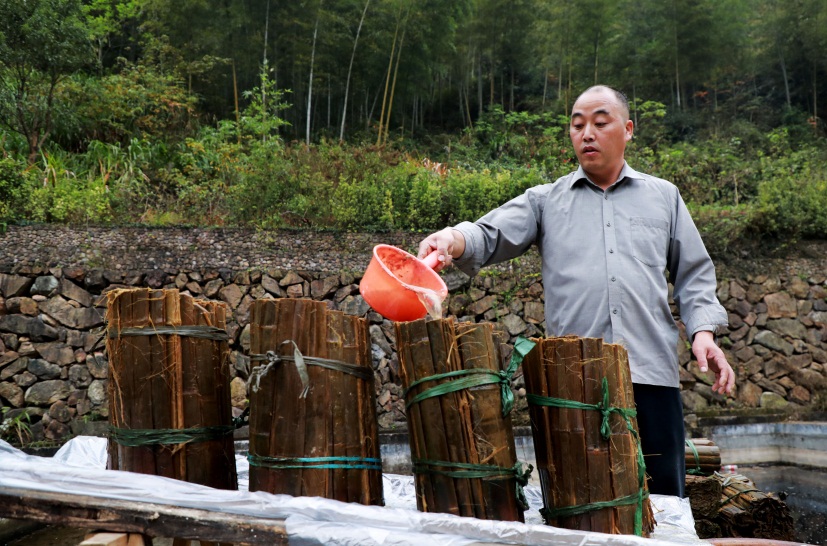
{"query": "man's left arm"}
(693, 275)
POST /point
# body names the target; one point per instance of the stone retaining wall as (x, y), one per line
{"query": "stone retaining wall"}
(53, 283)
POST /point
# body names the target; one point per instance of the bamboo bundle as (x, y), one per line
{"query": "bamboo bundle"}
(584, 458)
(462, 442)
(704, 496)
(169, 387)
(703, 457)
(748, 512)
(313, 428)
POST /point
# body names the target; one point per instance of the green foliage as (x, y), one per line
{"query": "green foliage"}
(722, 226)
(793, 195)
(41, 41)
(136, 102)
(14, 189)
(16, 428)
(62, 196)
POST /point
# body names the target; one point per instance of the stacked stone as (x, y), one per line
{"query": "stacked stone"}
(777, 342)
(53, 365)
(52, 361)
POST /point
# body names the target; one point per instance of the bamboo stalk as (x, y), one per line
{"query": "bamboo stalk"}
(416, 432)
(597, 448)
(492, 432)
(749, 512)
(446, 359)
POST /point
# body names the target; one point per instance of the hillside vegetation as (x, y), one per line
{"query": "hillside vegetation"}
(401, 115)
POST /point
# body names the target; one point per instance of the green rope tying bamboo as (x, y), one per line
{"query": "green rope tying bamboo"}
(272, 358)
(475, 377)
(606, 410)
(520, 472)
(137, 437)
(697, 470)
(203, 332)
(315, 463)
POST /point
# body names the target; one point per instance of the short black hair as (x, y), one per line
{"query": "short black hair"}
(621, 98)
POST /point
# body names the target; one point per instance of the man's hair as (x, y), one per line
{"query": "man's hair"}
(621, 98)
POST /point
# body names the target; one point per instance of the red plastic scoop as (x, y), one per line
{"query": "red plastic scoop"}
(400, 286)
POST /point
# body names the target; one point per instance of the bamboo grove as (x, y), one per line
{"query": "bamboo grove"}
(405, 65)
(400, 114)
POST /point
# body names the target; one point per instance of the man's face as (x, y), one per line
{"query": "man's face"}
(599, 131)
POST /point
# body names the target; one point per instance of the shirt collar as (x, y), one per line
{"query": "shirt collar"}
(581, 176)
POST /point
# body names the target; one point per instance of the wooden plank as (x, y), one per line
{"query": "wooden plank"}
(154, 520)
(106, 539)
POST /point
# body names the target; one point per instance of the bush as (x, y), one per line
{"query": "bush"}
(723, 226)
(793, 194)
(15, 187)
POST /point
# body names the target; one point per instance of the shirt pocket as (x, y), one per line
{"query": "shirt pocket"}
(650, 240)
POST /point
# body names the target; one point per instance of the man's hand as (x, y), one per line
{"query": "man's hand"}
(449, 243)
(710, 355)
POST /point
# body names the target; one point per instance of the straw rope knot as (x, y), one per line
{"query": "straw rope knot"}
(272, 359)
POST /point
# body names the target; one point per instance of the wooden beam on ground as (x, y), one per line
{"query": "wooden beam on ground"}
(115, 539)
(106, 539)
(154, 520)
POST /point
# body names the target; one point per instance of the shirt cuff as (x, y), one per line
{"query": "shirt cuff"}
(471, 261)
(708, 317)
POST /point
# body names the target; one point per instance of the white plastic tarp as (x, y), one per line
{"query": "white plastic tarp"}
(79, 468)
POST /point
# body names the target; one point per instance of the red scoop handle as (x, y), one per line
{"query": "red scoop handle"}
(432, 259)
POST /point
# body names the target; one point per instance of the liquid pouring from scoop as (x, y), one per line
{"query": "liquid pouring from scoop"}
(401, 287)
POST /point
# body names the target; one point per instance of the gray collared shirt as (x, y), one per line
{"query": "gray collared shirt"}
(607, 257)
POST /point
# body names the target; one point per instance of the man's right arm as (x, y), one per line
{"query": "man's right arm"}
(504, 233)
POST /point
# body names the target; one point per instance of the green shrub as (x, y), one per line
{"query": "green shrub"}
(721, 226)
(15, 188)
(71, 200)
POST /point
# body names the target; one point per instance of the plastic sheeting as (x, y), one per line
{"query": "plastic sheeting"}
(79, 468)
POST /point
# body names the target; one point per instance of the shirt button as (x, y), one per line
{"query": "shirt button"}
(614, 311)
(605, 195)
(608, 224)
(611, 251)
(613, 279)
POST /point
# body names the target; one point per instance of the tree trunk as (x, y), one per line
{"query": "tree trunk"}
(677, 70)
(350, 69)
(786, 81)
(264, 60)
(479, 86)
(387, 85)
(310, 82)
(395, 74)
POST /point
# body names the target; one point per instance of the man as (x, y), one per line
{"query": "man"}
(607, 234)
